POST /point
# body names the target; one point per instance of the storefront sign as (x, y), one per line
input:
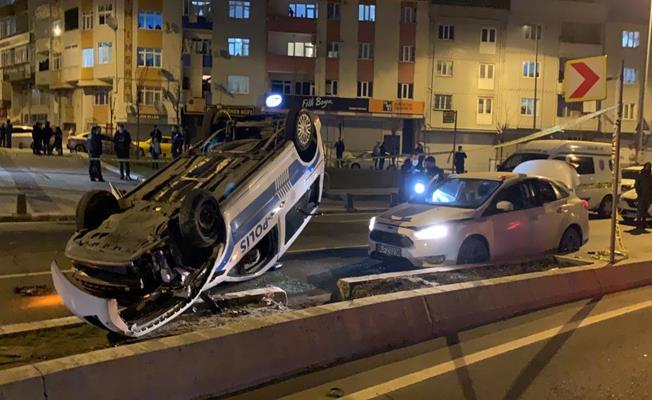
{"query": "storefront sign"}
(324, 103)
(396, 106)
(238, 110)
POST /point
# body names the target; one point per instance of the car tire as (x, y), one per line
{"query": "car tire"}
(604, 210)
(355, 166)
(94, 208)
(300, 128)
(80, 148)
(571, 240)
(473, 251)
(200, 220)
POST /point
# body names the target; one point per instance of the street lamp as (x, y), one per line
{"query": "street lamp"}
(641, 95)
(112, 23)
(56, 28)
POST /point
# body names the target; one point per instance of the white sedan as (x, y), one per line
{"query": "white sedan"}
(478, 218)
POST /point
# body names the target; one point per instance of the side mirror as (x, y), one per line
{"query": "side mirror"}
(504, 206)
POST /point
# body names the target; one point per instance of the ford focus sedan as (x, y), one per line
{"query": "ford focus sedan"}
(484, 217)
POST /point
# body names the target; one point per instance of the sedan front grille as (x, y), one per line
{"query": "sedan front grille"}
(390, 238)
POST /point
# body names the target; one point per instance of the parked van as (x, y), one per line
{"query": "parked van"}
(591, 160)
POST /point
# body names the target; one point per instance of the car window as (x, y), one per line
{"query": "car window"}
(562, 192)
(518, 158)
(630, 173)
(515, 194)
(459, 192)
(543, 191)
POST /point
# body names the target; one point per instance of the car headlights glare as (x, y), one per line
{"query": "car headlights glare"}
(432, 232)
(419, 188)
(372, 224)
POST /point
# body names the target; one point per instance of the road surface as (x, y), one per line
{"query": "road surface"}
(592, 349)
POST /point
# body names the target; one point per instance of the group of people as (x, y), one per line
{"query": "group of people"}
(412, 171)
(6, 131)
(122, 147)
(42, 143)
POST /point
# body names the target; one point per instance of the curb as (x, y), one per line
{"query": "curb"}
(37, 218)
(258, 350)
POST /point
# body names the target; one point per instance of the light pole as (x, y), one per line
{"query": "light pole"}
(113, 24)
(536, 33)
(641, 94)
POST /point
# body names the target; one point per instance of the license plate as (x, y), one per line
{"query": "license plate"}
(388, 250)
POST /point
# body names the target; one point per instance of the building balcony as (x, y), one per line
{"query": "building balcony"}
(43, 78)
(292, 65)
(284, 23)
(42, 46)
(5, 92)
(18, 73)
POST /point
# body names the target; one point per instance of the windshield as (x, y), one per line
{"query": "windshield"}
(460, 193)
(519, 158)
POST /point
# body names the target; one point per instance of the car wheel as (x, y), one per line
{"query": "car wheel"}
(355, 166)
(300, 128)
(570, 241)
(604, 211)
(80, 148)
(473, 251)
(94, 208)
(200, 219)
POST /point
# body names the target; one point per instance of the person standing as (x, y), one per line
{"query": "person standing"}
(9, 130)
(406, 178)
(187, 138)
(47, 138)
(177, 142)
(374, 154)
(339, 152)
(122, 146)
(94, 146)
(3, 135)
(643, 188)
(58, 140)
(459, 159)
(431, 170)
(421, 153)
(37, 138)
(156, 137)
(382, 152)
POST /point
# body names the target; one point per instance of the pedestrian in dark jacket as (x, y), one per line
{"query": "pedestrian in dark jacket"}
(431, 170)
(643, 188)
(459, 159)
(156, 137)
(407, 176)
(94, 147)
(47, 138)
(122, 146)
(37, 138)
(3, 135)
(382, 152)
(58, 140)
(9, 130)
(177, 142)
(339, 152)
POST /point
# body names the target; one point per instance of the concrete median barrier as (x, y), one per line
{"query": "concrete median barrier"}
(256, 350)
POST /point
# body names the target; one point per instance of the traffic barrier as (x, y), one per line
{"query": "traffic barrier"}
(254, 351)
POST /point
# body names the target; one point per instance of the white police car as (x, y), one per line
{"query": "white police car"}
(225, 211)
(477, 218)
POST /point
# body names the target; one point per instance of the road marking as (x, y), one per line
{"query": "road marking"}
(474, 358)
(29, 274)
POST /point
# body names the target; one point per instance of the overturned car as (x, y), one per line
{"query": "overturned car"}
(225, 211)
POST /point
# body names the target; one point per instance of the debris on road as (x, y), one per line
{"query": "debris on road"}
(32, 290)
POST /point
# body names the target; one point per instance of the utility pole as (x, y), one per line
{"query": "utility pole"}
(616, 172)
(641, 95)
(537, 33)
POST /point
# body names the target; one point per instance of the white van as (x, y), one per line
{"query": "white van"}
(591, 160)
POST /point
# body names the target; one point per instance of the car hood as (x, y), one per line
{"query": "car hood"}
(419, 215)
(629, 195)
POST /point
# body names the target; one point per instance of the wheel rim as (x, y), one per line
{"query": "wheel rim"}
(251, 260)
(207, 218)
(606, 207)
(304, 131)
(571, 241)
(474, 253)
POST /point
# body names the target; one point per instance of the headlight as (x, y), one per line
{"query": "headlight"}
(419, 188)
(433, 232)
(372, 224)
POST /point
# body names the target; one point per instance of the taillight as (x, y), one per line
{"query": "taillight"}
(585, 204)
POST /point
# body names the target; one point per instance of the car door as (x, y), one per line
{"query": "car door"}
(510, 230)
(547, 216)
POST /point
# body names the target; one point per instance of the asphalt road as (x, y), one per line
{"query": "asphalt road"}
(593, 349)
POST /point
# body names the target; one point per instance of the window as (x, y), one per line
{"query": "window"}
(301, 49)
(531, 69)
(150, 20)
(149, 96)
(629, 111)
(71, 19)
(408, 15)
(532, 32)
(104, 52)
(88, 58)
(365, 51)
(8, 26)
(513, 194)
(583, 165)
(303, 10)
(197, 46)
(488, 35)
(239, 9)
(56, 62)
(631, 39)
(443, 102)
(334, 50)
(405, 91)
(149, 57)
(629, 77)
(407, 54)
(446, 32)
(238, 84)
(333, 10)
(239, 47)
(367, 12)
(486, 71)
(304, 88)
(445, 68)
(485, 105)
(101, 97)
(365, 89)
(331, 88)
(200, 8)
(527, 106)
(104, 11)
(543, 191)
(87, 21)
(282, 87)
